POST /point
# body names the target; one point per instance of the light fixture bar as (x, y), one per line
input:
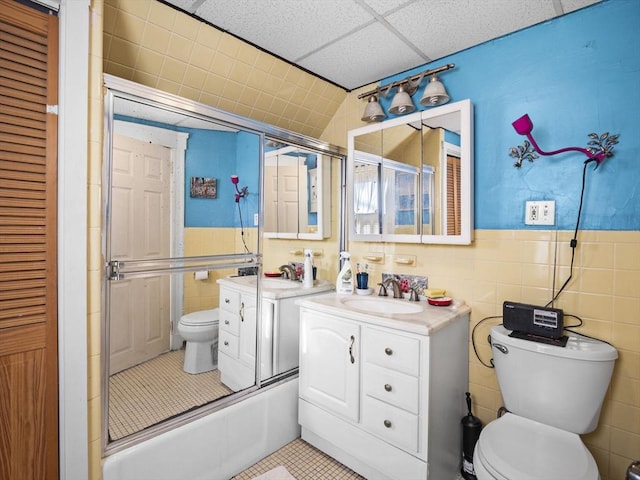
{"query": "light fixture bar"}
(413, 81)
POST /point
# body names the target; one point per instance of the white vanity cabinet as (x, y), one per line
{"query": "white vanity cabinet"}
(330, 378)
(279, 321)
(383, 398)
(237, 338)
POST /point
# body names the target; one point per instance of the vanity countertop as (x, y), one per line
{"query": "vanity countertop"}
(275, 288)
(414, 317)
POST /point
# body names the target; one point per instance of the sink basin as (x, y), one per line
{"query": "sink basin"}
(381, 305)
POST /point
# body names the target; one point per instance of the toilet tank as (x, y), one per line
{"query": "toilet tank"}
(559, 386)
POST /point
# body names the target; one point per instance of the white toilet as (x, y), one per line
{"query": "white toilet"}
(200, 330)
(553, 394)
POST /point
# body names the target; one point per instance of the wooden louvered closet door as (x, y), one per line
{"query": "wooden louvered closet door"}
(28, 310)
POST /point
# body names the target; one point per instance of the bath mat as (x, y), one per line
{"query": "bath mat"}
(157, 390)
(278, 473)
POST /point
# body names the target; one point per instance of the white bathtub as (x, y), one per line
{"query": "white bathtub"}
(217, 446)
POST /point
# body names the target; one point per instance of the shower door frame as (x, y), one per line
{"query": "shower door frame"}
(117, 87)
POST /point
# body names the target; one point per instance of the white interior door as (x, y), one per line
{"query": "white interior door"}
(288, 199)
(140, 229)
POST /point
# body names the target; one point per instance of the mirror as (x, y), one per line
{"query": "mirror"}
(410, 178)
(296, 192)
(183, 200)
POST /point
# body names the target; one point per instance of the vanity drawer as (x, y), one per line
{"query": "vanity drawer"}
(390, 350)
(228, 344)
(229, 322)
(392, 424)
(229, 300)
(392, 387)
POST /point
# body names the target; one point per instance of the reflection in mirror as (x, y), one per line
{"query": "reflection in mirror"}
(296, 192)
(411, 177)
(441, 152)
(182, 202)
(172, 208)
(401, 152)
(367, 163)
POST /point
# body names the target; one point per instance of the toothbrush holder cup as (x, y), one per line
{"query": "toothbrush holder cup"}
(363, 280)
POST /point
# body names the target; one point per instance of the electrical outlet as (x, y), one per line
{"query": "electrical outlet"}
(540, 213)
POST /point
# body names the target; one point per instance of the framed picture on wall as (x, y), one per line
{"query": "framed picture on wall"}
(204, 187)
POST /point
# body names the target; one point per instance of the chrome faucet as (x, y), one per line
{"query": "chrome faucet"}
(289, 272)
(414, 297)
(397, 293)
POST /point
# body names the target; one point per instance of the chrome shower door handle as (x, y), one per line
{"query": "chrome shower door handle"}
(353, 359)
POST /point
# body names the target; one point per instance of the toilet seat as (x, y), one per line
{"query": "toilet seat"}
(202, 318)
(514, 447)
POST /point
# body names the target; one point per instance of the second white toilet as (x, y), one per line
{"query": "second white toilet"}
(200, 331)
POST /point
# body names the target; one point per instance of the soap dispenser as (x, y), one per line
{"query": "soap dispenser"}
(344, 282)
(307, 279)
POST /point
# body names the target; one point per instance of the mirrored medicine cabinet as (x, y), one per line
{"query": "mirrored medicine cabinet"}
(410, 179)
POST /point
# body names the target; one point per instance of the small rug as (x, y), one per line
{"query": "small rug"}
(278, 473)
(156, 390)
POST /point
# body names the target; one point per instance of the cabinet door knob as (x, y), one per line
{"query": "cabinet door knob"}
(226, 344)
(387, 423)
(227, 301)
(226, 322)
(388, 351)
(387, 387)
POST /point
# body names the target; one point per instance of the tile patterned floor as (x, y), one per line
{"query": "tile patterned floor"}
(304, 462)
(156, 390)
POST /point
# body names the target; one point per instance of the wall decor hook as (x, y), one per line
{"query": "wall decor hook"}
(599, 148)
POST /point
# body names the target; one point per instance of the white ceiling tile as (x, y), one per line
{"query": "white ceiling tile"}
(364, 57)
(464, 23)
(289, 28)
(343, 41)
(571, 5)
(384, 6)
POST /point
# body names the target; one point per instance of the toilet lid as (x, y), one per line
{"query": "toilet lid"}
(200, 318)
(514, 447)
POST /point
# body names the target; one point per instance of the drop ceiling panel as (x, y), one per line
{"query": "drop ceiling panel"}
(464, 25)
(290, 28)
(372, 53)
(357, 42)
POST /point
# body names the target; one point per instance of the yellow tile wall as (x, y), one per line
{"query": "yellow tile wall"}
(518, 265)
(205, 294)
(94, 252)
(153, 44)
(150, 43)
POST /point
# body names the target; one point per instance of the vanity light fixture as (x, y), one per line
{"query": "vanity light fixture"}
(401, 103)
(599, 148)
(435, 94)
(373, 111)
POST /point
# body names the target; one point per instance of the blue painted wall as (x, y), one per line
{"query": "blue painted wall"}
(220, 155)
(574, 75)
